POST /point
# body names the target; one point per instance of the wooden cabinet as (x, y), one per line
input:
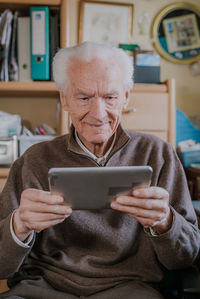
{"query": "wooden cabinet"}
(151, 110)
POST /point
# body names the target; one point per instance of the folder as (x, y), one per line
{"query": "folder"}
(54, 38)
(13, 65)
(40, 56)
(5, 43)
(23, 49)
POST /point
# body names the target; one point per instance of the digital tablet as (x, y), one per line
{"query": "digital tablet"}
(89, 188)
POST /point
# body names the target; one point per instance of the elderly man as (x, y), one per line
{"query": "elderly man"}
(115, 253)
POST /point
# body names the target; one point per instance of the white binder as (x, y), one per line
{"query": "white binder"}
(23, 49)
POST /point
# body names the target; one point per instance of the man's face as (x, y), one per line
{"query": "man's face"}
(95, 98)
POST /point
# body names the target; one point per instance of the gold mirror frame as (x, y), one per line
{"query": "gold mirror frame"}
(157, 23)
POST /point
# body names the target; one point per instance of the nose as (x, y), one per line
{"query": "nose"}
(98, 109)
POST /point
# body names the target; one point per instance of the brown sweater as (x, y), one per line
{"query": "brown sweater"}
(93, 250)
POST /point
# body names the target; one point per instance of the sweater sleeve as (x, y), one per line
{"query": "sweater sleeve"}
(12, 255)
(179, 246)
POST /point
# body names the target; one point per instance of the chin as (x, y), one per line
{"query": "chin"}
(98, 138)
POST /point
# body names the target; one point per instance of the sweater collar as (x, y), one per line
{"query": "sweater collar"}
(122, 138)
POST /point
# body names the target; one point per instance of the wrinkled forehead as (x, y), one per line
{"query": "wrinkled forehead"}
(95, 70)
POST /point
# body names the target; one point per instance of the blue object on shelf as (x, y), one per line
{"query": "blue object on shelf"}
(189, 157)
(185, 128)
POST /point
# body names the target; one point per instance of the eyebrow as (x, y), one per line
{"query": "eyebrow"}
(82, 92)
(85, 93)
(111, 93)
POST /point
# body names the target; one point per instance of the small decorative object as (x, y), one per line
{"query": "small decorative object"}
(143, 23)
(105, 22)
(175, 32)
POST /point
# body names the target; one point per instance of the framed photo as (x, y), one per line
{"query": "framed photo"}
(182, 33)
(176, 32)
(105, 22)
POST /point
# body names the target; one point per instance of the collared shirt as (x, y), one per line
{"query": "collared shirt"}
(100, 160)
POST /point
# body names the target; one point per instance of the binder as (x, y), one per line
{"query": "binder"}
(13, 65)
(40, 60)
(54, 39)
(23, 49)
(5, 43)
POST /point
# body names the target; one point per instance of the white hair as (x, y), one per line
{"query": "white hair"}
(86, 52)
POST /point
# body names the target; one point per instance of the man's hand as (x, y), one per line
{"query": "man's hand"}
(150, 206)
(38, 210)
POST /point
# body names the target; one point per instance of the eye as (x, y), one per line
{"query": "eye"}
(84, 99)
(111, 98)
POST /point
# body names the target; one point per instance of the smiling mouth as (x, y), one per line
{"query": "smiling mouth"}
(97, 125)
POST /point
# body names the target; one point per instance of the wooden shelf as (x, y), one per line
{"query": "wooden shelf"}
(28, 88)
(50, 88)
(154, 88)
(29, 2)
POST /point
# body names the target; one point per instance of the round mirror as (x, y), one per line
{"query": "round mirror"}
(175, 32)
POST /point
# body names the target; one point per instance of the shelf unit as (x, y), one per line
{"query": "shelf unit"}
(37, 88)
(42, 89)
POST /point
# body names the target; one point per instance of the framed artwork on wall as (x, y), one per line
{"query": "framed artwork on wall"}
(176, 32)
(107, 23)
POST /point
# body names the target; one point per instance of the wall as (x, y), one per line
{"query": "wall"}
(187, 86)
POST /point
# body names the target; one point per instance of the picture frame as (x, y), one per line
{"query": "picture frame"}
(182, 33)
(176, 32)
(107, 23)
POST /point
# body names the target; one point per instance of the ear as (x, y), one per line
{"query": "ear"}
(126, 99)
(63, 100)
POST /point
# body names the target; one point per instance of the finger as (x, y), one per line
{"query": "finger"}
(42, 196)
(149, 204)
(39, 226)
(135, 211)
(46, 208)
(42, 217)
(151, 192)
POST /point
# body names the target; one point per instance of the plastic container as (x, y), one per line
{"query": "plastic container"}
(24, 142)
(189, 157)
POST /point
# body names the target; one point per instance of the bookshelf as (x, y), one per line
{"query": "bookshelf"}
(42, 89)
(36, 91)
